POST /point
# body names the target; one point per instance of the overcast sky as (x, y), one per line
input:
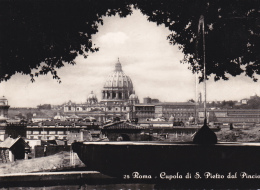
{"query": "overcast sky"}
(146, 57)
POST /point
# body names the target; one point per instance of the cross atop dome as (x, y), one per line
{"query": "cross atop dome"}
(118, 66)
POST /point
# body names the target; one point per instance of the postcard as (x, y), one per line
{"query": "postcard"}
(112, 94)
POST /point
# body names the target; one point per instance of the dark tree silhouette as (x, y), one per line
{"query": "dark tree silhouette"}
(253, 103)
(191, 100)
(44, 35)
(232, 33)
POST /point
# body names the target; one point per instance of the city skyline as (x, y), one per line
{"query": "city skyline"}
(146, 57)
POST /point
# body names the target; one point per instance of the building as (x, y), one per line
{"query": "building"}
(123, 131)
(82, 135)
(231, 115)
(13, 149)
(3, 117)
(144, 111)
(39, 118)
(178, 111)
(148, 100)
(117, 97)
(58, 130)
(4, 107)
(120, 101)
(13, 130)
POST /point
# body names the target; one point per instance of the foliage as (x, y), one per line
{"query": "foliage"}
(44, 35)
(191, 100)
(44, 106)
(232, 31)
(38, 37)
(253, 103)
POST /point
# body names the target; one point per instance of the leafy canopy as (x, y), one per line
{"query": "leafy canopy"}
(232, 33)
(45, 35)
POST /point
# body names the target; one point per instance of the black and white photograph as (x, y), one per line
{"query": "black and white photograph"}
(129, 94)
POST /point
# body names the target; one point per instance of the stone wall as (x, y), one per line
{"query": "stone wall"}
(41, 151)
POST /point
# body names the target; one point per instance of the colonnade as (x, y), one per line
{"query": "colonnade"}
(110, 94)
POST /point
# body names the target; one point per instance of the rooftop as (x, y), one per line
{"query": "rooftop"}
(9, 142)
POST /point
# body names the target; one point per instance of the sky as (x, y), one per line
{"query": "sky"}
(146, 57)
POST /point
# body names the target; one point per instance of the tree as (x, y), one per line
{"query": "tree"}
(254, 103)
(45, 35)
(38, 37)
(191, 101)
(232, 31)
(29, 116)
(223, 103)
(44, 106)
(213, 104)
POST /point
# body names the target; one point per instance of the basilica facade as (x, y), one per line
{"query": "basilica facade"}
(118, 98)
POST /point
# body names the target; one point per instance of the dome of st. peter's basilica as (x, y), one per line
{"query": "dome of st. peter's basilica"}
(118, 86)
